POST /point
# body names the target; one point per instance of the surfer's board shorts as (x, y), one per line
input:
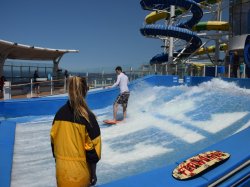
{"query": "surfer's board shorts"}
(122, 99)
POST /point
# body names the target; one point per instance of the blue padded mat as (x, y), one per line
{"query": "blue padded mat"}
(242, 174)
(7, 140)
(236, 145)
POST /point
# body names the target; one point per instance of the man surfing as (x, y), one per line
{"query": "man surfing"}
(122, 98)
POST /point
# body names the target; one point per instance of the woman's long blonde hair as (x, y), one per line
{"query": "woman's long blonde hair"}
(78, 89)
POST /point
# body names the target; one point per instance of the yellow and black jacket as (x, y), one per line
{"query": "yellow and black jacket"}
(75, 144)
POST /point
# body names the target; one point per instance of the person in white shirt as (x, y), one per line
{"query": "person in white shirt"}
(122, 98)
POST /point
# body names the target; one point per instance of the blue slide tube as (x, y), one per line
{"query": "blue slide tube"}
(178, 31)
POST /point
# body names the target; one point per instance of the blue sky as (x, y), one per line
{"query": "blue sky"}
(105, 32)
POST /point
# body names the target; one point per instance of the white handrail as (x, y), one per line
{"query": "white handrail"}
(230, 174)
(31, 87)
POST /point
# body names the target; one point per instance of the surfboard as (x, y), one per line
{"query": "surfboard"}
(199, 164)
(110, 122)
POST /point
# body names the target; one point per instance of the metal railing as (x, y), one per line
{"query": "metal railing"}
(58, 85)
(34, 89)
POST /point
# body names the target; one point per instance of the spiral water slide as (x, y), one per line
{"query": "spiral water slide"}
(182, 30)
(209, 26)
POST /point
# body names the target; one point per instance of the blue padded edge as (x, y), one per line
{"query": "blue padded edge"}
(246, 183)
(236, 145)
(7, 140)
(241, 174)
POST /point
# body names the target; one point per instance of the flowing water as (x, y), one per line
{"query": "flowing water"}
(164, 124)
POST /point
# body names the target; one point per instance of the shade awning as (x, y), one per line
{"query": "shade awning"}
(11, 50)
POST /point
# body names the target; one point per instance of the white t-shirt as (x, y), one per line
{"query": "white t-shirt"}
(122, 82)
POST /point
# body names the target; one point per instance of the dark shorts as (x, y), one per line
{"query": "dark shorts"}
(122, 98)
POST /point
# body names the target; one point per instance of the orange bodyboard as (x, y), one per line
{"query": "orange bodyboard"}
(110, 122)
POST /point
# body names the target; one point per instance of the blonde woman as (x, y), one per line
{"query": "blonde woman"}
(76, 139)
